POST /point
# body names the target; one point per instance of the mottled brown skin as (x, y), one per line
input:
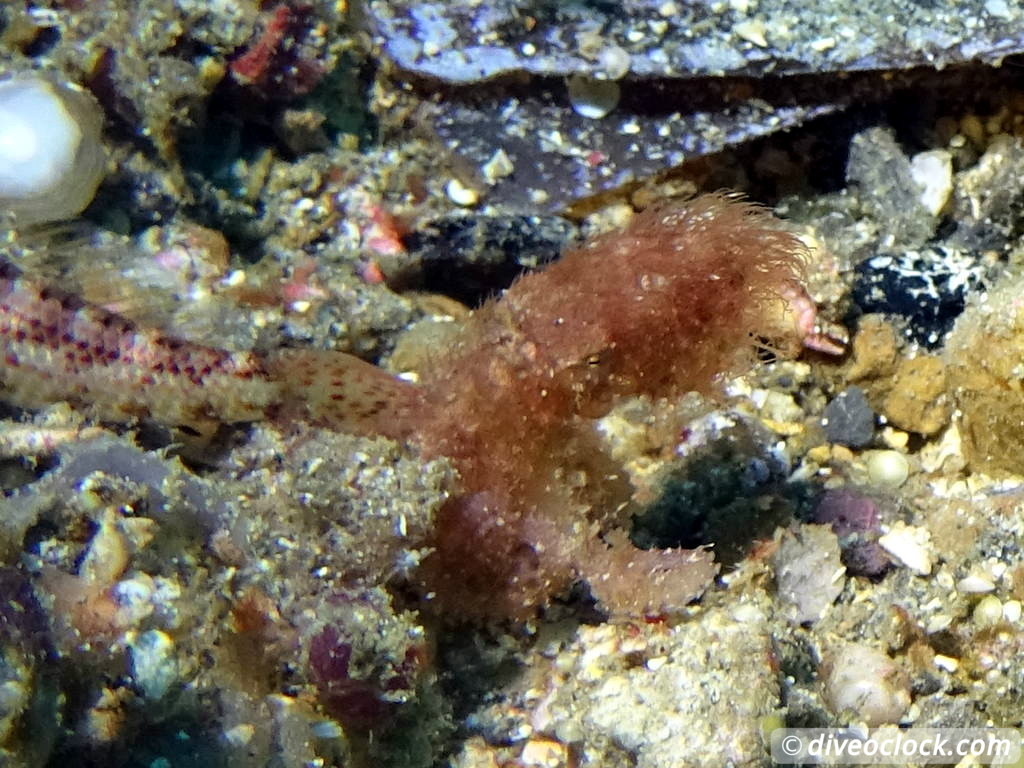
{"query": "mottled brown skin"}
(56, 347)
(667, 306)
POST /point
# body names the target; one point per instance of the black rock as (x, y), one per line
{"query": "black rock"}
(848, 419)
(927, 288)
(471, 258)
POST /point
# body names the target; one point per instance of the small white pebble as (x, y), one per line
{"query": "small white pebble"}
(947, 663)
(544, 753)
(1012, 611)
(753, 31)
(498, 167)
(234, 278)
(135, 599)
(460, 194)
(615, 61)
(888, 468)
(896, 439)
(656, 663)
(998, 8)
(975, 584)
(933, 173)
(154, 665)
(911, 546)
(521, 732)
(988, 612)
(934, 604)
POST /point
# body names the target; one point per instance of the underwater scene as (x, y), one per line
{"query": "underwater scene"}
(511, 383)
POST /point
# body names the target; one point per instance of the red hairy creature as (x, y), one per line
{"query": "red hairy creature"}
(667, 306)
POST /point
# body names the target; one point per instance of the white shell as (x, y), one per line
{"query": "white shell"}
(592, 98)
(51, 153)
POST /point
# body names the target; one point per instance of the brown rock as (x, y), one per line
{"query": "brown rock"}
(918, 401)
(875, 348)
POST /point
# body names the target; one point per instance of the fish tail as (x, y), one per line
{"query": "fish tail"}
(336, 390)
